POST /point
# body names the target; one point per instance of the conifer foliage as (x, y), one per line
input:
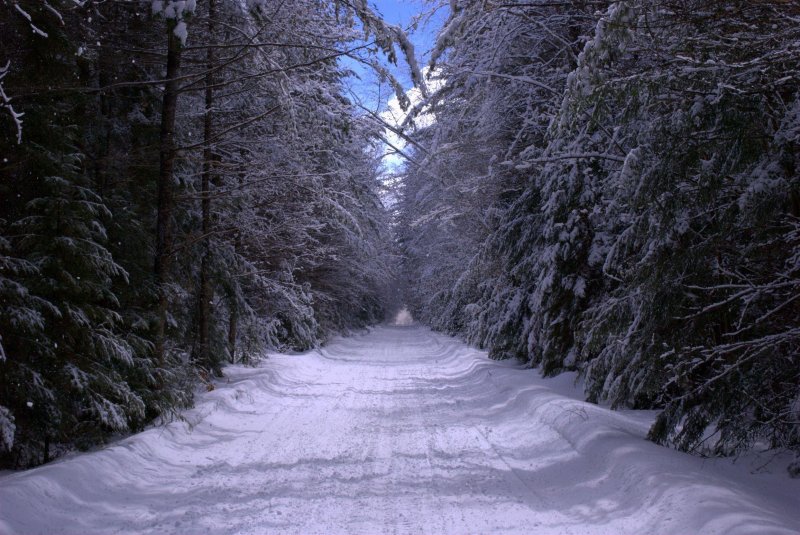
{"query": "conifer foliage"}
(181, 185)
(634, 205)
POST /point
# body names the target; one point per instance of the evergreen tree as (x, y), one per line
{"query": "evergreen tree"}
(652, 245)
(188, 187)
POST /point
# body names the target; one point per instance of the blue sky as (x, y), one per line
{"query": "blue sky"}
(365, 90)
(401, 13)
(397, 11)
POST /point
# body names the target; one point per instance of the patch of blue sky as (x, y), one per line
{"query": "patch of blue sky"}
(420, 19)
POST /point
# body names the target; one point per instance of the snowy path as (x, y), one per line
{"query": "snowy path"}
(397, 431)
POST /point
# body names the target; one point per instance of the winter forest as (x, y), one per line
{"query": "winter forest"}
(608, 189)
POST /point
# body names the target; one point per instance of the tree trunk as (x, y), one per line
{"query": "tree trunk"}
(232, 328)
(206, 290)
(166, 186)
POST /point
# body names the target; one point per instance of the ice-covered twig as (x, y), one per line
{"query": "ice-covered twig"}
(30, 20)
(386, 36)
(5, 102)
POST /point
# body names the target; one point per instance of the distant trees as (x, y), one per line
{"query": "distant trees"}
(187, 186)
(638, 179)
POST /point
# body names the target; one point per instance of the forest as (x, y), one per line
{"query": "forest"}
(604, 187)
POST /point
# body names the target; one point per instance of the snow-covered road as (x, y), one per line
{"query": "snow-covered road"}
(397, 431)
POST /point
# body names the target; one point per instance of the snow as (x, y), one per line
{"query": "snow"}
(399, 430)
(181, 32)
(5, 101)
(7, 429)
(403, 318)
(397, 117)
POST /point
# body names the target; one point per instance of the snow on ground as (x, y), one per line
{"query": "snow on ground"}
(397, 431)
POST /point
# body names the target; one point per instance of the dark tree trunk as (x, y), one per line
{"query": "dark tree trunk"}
(166, 186)
(206, 290)
(232, 329)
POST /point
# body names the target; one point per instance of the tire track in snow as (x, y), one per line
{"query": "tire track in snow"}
(396, 431)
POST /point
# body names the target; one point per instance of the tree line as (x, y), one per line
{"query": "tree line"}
(181, 185)
(614, 188)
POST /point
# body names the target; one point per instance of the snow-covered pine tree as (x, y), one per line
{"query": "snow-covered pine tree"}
(192, 187)
(703, 218)
(67, 362)
(492, 133)
(292, 184)
(653, 246)
(63, 352)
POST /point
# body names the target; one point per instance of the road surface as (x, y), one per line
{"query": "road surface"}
(400, 430)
